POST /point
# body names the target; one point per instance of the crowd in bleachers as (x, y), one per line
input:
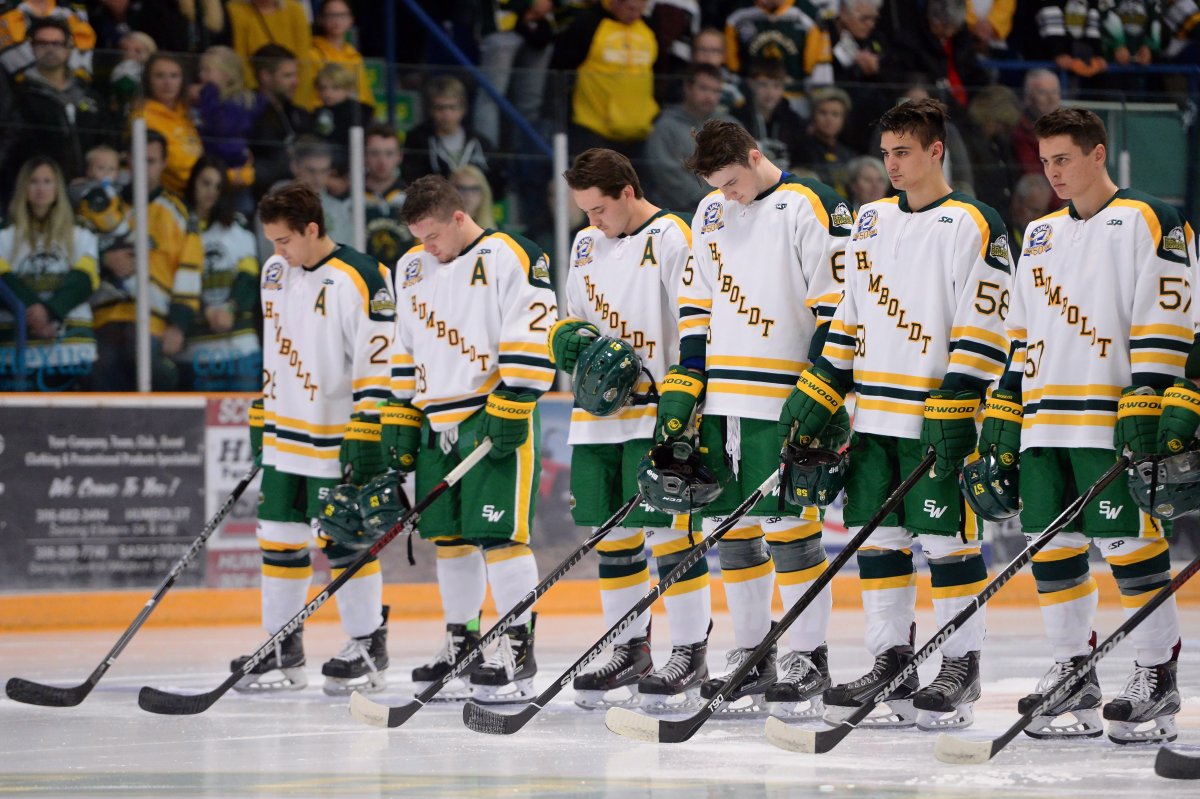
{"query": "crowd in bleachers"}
(239, 96)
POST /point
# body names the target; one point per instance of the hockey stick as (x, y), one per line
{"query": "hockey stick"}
(1175, 765)
(950, 749)
(799, 739)
(644, 728)
(156, 701)
(482, 719)
(36, 693)
(377, 714)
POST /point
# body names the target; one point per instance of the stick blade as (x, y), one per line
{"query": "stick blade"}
(169, 704)
(1175, 765)
(801, 739)
(36, 693)
(637, 726)
(372, 713)
(962, 751)
(481, 719)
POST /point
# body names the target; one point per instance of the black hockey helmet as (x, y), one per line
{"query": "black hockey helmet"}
(1167, 487)
(674, 480)
(991, 489)
(816, 474)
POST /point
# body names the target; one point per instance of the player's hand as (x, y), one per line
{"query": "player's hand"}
(1138, 412)
(361, 454)
(809, 407)
(949, 429)
(679, 393)
(401, 435)
(1180, 418)
(257, 417)
(506, 420)
(568, 339)
(1002, 416)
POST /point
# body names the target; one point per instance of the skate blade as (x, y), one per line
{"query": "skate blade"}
(1159, 730)
(667, 704)
(273, 682)
(603, 700)
(372, 683)
(1083, 723)
(894, 714)
(514, 692)
(936, 721)
(810, 710)
(458, 690)
(750, 706)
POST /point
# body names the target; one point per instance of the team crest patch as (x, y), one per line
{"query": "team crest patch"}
(1038, 242)
(867, 225)
(382, 303)
(412, 273)
(841, 216)
(998, 250)
(541, 270)
(712, 218)
(273, 277)
(1175, 241)
(583, 251)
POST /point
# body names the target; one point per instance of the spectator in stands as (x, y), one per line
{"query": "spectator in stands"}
(822, 150)
(165, 110)
(112, 21)
(183, 26)
(340, 108)
(472, 185)
(675, 24)
(1042, 94)
(102, 207)
(311, 163)
(442, 144)
(1066, 32)
(794, 34)
(669, 184)
(942, 51)
(708, 47)
(59, 115)
(991, 22)
(257, 23)
(513, 54)
(1131, 32)
(330, 46)
(387, 237)
(613, 50)
(50, 264)
(176, 261)
(226, 111)
(868, 180)
(859, 53)
(223, 351)
(778, 129)
(125, 80)
(1181, 20)
(993, 114)
(281, 121)
(1032, 199)
(16, 25)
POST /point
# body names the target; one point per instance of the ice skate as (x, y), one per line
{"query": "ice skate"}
(796, 696)
(281, 670)
(749, 698)
(945, 704)
(507, 674)
(1082, 705)
(630, 662)
(1149, 701)
(360, 666)
(458, 638)
(675, 688)
(897, 708)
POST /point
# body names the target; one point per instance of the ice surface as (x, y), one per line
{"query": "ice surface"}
(306, 744)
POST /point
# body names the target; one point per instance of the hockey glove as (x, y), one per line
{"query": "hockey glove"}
(679, 393)
(1180, 418)
(1002, 415)
(361, 456)
(949, 429)
(341, 521)
(568, 339)
(257, 418)
(506, 420)
(809, 407)
(401, 435)
(1138, 412)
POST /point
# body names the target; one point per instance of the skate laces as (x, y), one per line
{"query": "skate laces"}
(617, 662)
(677, 664)
(877, 671)
(502, 658)
(1141, 685)
(1056, 675)
(449, 653)
(357, 649)
(795, 665)
(734, 658)
(951, 676)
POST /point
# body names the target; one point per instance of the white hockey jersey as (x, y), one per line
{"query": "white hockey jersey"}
(468, 327)
(327, 335)
(628, 287)
(926, 292)
(757, 268)
(1098, 305)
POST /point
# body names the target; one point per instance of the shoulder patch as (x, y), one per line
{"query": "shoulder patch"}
(711, 217)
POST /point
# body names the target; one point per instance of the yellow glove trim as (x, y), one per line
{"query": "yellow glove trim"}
(400, 415)
(509, 409)
(1182, 397)
(357, 430)
(950, 408)
(681, 381)
(819, 390)
(1139, 405)
(1004, 410)
(257, 416)
(554, 331)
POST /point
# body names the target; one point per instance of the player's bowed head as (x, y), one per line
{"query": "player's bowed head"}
(294, 222)
(728, 159)
(605, 186)
(435, 214)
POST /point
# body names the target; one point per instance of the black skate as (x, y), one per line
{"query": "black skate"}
(945, 704)
(630, 662)
(361, 664)
(1082, 704)
(507, 674)
(805, 678)
(458, 638)
(752, 689)
(281, 670)
(897, 707)
(675, 688)
(1150, 697)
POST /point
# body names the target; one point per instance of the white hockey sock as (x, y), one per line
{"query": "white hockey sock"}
(462, 581)
(286, 570)
(283, 598)
(624, 579)
(360, 601)
(809, 631)
(512, 573)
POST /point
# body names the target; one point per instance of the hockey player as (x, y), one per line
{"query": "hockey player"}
(919, 336)
(328, 315)
(624, 281)
(767, 247)
(1100, 326)
(470, 361)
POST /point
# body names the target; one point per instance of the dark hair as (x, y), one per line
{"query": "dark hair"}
(924, 119)
(222, 212)
(154, 137)
(766, 68)
(430, 196)
(270, 56)
(295, 205)
(606, 170)
(1084, 127)
(720, 144)
(309, 146)
(706, 70)
(41, 23)
(380, 130)
(154, 59)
